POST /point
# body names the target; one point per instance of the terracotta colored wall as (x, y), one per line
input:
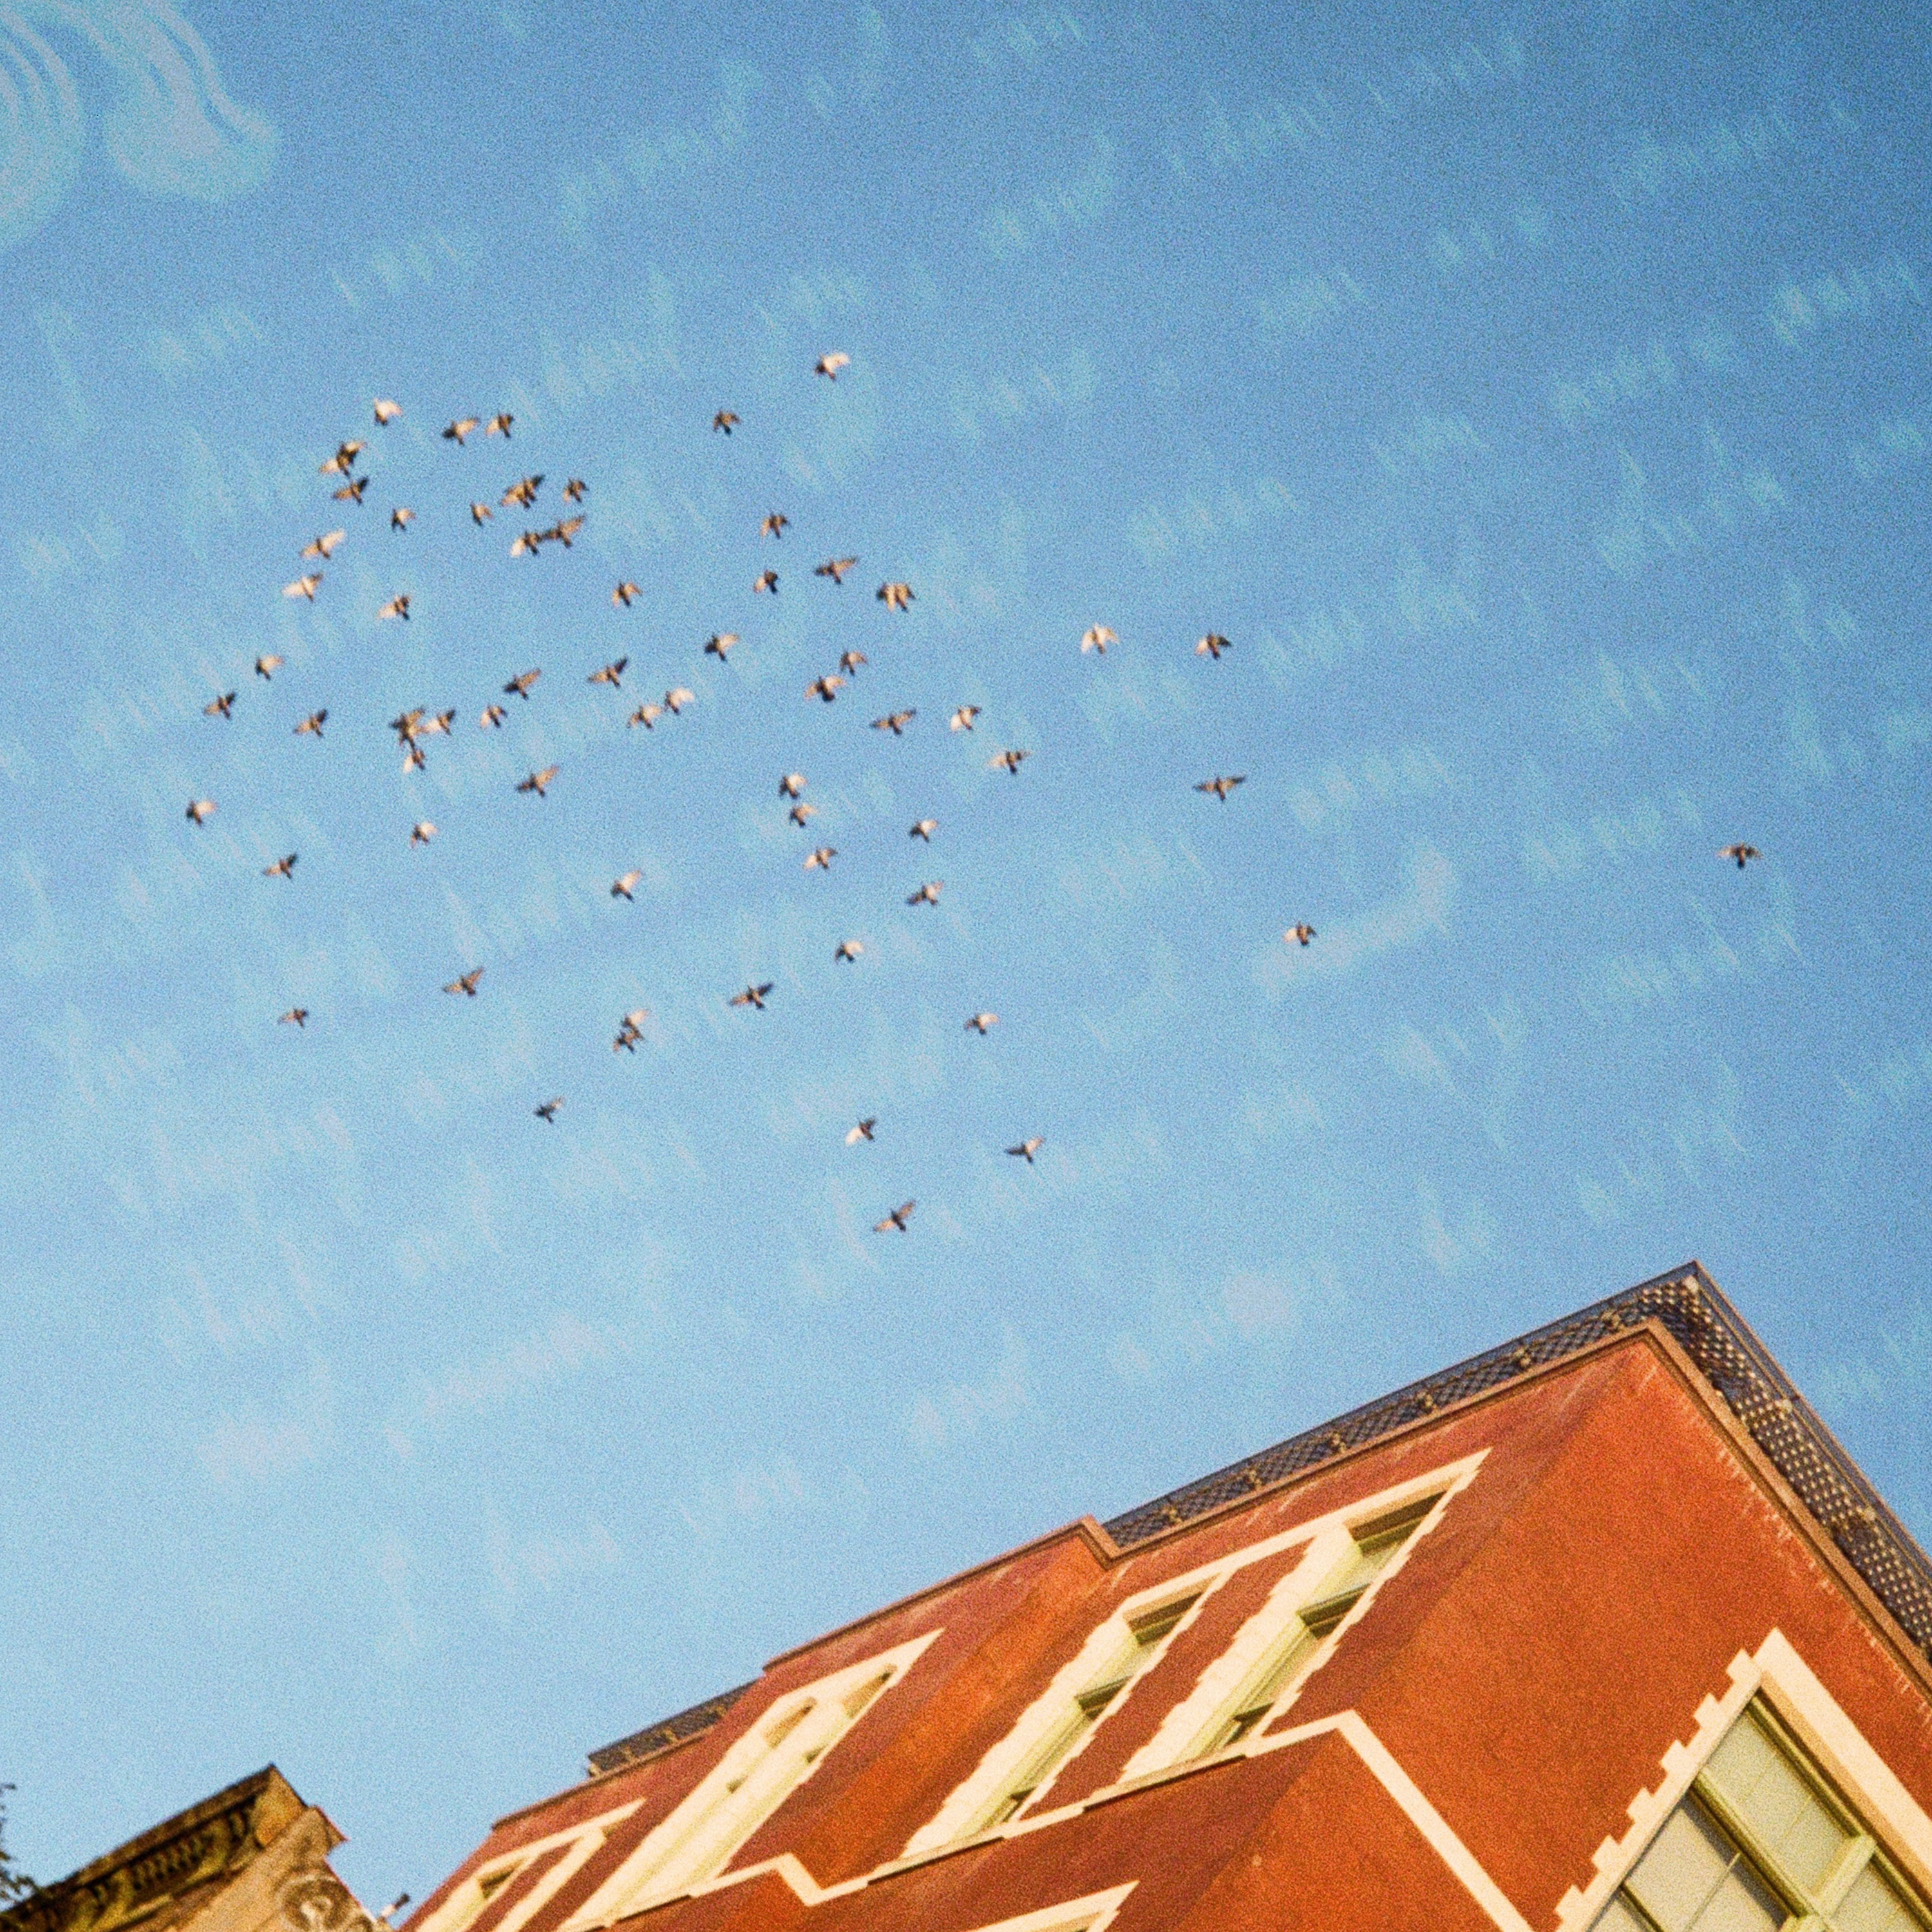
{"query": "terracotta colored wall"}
(1527, 1664)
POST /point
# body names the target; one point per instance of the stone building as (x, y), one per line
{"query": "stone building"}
(252, 1859)
(1600, 1629)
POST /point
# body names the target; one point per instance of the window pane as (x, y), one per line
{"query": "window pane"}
(1873, 1905)
(1620, 1916)
(1677, 1877)
(1760, 1781)
(1742, 1904)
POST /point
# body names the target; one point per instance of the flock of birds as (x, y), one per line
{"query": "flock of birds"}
(412, 727)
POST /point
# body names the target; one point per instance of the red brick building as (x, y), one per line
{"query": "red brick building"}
(1600, 1629)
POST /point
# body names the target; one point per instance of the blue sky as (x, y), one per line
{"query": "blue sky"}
(1537, 398)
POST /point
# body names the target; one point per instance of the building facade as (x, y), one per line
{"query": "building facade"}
(1600, 1630)
(252, 1859)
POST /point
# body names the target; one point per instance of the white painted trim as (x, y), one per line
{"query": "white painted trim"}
(466, 1903)
(671, 1861)
(1792, 1689)
(1326, 1538)
(1093, 1913)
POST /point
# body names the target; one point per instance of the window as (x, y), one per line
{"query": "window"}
(1760, 1843)
(1374, 1544)
(755, 1776)
(1090, 1703)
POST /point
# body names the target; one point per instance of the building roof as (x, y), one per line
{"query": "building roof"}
(1689, 1305)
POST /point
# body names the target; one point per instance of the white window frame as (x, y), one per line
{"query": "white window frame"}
(1816, 1720)
(468, 1902)
(1328, 1540)
(698, 1839)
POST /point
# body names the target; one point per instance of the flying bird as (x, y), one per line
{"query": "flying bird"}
(284, 868)
(646, 715)
(800, 813)
(466, 983)
(862, 1132)
(766, 579)
(849, 950)
(928, 894)
(624, 593)
(1742, 854)
(351, 492)
(1212, 646)
(519, 686)
(401, 517)
(961, 720)
(677, 698)
(752, 996)
(493, 717)
(820, 859)
(343, 461)
(222, 705)
(523, 491)
(386, 412)
(895, 596)
(295, 1016)
(303, 587)
(574, 490)
(894, 722)
(548, 1110)
(407, 725)
(980, 1022)
(201, 810)
(1097, 638)
(1221, 787)
(266, 667)
(459, 429)
(480, 514)
(325, 546)
(539, 781)
(791, 785)
(835, 568)
(1028, 1148)
(612, 674)
(774, 524)
(414, 759)
(499, 425)
(829, 364)
(422, 832)
(726, 420)
(719, 644)
(1299, 934)
(528, 545)
(898, 1219)
(439, 724)
(396, 607)
(849, 661)
(625, 884)
(630, 1031)
(311, 726)
(1008, 761)
(923, 828)
(825, 689)
(563, 532)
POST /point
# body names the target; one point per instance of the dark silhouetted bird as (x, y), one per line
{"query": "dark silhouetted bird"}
(1299, 934)
(539, 782)
(1212, 646)
(677, 698)
(961, 720)
(622, 886)
(646, 715)
(201, 810)
(928, 894)
(574, 490)
(720, 645)
(829, 364)
(386, 412)
(835, 568)
(493, 717)
(923, 828)
(284, 868)
(401, 517)
(422, 832)
(898, 1219)
(222, 705)
(849, 950)
(981, 1022)
(499, 425)
(466, 983)
(1008, 761)
(766, 579)
(752, 996)
(1097, 638)
(612, 674)
(295, 1016)
(351, 492)
(862, 1132)
(325, 546)
(895, 596)
(303, 587)
(791, 785)
(726, 420)
(825, 689)
(1221, 787)
(774, 524)
(547, 1110)
(519, 686)
(311, 726)
(459, 429)
(1741, 853)
(396, 607)
(1027, 1149)
(624, 594)
(266, 666)
(894, 722)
